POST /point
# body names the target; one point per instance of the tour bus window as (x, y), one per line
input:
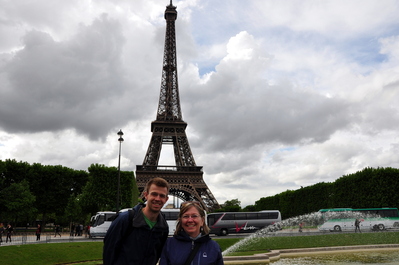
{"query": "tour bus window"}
(171, 215)
(252, 215)
(241, 216)
(228, 216)
(264, 216)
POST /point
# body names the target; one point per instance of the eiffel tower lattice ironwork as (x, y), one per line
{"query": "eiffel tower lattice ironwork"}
(185, 178)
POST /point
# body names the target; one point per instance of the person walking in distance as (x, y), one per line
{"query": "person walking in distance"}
(300, 227)
(57, 230)
(137, 236)
(10, 231)
(1, 232)
(357, 225)
(38, 232)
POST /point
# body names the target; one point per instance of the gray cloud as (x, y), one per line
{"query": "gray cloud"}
(71, 84)
(276, 95)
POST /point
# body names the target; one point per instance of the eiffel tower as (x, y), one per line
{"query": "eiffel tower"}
(185, 178)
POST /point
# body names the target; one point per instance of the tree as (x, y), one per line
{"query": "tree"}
(135, 191)
(231, 206)
(53, 186)
(13, 172)
(249, 208)
(18, 201)
(74, 213)
(100, 191)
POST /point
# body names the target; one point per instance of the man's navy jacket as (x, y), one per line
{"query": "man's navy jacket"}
(135, 245)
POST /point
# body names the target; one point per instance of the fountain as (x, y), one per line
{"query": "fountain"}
(315, 219)
(312, 219)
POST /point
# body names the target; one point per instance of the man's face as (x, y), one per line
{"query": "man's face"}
(156, 197)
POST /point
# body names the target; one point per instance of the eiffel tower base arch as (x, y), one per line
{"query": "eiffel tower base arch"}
(186, 183)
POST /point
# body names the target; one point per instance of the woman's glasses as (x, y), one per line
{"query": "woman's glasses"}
(193, 216)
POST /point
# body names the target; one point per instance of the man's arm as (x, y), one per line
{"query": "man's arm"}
(113, 241)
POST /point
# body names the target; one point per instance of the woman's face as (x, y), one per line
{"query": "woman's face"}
(192, 221)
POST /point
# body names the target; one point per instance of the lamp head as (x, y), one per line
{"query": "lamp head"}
(120, 133)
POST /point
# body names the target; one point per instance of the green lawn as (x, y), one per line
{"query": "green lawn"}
(51, 254)
(64, 253)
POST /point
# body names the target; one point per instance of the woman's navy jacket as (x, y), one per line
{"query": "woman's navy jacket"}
(178, 248)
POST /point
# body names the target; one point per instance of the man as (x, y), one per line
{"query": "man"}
(139, 240)
(10, 231)
(357, 225)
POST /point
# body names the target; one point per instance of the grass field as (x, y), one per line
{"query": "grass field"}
(50, 254)
(90, 253)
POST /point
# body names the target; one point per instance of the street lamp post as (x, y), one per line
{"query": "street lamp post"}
(120, 133)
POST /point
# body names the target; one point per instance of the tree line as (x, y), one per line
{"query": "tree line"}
(30, 193)
(368, 188)
(56, 194)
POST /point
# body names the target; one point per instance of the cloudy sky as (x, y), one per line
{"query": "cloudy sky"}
(277, 94)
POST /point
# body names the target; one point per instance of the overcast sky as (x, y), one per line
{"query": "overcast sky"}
(277, 94)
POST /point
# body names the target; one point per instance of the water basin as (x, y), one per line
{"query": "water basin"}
(387, 257)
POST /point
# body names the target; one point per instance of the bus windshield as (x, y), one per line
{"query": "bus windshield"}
(100, 223)
(241, 222)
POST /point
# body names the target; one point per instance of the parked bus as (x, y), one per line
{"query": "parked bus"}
(100, 223)
(241, 222)
(343, 219)
(171, 216)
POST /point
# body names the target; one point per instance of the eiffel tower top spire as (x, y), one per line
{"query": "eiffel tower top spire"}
(169, 102)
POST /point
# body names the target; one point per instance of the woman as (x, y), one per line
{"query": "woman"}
(191, 238)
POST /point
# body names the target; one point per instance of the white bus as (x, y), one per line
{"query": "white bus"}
(100, 223)
(223, 224)
(171, 216)
(375, 219)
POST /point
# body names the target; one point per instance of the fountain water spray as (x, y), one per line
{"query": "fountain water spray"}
(314, 219)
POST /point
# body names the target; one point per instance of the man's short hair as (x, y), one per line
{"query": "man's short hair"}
(160, 182)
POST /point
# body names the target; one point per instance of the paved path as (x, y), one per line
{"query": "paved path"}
(30, 238)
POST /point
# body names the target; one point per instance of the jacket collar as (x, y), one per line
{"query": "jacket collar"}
(183, 236)
(139, 221)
